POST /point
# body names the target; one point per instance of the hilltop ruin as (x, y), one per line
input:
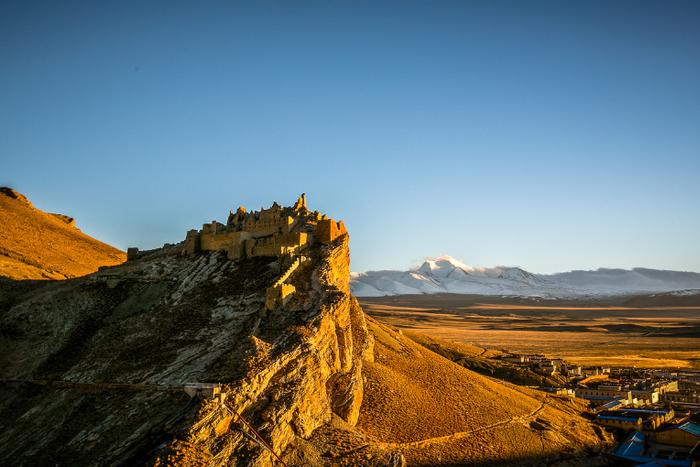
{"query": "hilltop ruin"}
(285, 233)
(277, 231)
(281, 232)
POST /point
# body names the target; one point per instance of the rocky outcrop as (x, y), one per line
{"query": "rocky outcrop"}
(297, 383)
(14, 194)
(65, 219)
(168, 320)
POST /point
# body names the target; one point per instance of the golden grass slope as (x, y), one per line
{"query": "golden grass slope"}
(436, 412)
(38, 245)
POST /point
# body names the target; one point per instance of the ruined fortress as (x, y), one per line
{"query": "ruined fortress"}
(275, 232)
(280, 232)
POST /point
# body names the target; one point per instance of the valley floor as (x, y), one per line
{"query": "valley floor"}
(616, 333)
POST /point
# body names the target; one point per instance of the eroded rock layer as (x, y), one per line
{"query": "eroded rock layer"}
(164, 321)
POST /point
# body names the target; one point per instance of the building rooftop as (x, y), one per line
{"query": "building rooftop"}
(632, 446)
(648, 411)
(633, 449)
(689, 427)
(612, 404)
(631, 414)
(595, 398)
(619, 417)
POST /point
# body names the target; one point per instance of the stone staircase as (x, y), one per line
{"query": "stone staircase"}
(280, 292)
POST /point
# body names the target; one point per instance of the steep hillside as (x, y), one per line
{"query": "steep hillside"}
(38, 245)
(478, 359)
(435, 412)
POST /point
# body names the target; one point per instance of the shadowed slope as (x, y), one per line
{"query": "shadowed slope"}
(38, 245)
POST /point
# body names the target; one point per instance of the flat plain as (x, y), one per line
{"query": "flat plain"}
(654, 331)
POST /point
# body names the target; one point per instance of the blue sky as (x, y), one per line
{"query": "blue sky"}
(548, 135)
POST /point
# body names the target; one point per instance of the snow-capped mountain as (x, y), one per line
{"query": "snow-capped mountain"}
(445, 274)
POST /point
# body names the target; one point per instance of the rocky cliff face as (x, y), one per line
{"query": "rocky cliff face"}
(295, 381)
(128, 338)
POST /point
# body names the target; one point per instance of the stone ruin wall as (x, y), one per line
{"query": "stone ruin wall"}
(268, 224)
(219, 241)
(269, 232)
(328, 230)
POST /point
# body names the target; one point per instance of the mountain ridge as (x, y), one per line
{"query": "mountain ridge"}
(445, 274)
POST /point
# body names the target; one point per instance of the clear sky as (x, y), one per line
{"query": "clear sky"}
(548, 135)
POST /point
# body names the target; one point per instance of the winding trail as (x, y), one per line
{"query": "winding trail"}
(464, 434)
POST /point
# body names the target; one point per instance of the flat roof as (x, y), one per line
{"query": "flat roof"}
(632, 446)
(612, 403)
(648, 411)
(619, 417)
(644, 414)
(691, 427)
(595, 398)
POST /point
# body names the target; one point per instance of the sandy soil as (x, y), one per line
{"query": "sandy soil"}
(615, 333)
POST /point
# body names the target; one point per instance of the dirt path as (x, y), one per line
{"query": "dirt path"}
(464, 434)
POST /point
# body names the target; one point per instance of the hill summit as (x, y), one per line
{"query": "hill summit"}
(38, 245)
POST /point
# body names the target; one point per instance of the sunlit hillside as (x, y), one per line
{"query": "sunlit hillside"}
(38, 245)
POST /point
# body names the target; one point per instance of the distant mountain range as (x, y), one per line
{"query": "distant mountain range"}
(448, 275)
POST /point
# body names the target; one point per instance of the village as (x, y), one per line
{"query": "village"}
(653, 413)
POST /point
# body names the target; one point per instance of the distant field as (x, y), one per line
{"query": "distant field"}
(653, 332)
